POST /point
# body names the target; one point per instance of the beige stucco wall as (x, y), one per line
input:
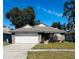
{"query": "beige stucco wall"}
(60, 37)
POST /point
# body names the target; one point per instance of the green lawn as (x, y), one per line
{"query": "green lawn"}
(58, 45)
(5, 43)
(51, 55)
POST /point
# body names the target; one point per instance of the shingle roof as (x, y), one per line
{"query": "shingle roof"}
(48, 29)
(38, 28)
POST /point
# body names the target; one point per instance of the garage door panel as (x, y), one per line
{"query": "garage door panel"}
(26, 39)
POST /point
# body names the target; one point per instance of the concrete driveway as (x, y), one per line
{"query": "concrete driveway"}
(16, 51)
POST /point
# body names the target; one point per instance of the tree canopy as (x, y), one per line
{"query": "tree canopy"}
(21, 17)
(56, 25)
(59, 26)
(69, 13)
(69, 9)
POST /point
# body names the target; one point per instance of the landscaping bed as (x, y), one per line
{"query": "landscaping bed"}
(55, 45)
(51, 55)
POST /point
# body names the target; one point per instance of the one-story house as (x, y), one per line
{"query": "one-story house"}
(35, 34)
(7, 35)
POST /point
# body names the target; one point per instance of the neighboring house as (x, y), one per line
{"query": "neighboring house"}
(7, 35)
(70, 36)
(35, 34)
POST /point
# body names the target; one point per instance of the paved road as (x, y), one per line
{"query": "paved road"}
(16, 51)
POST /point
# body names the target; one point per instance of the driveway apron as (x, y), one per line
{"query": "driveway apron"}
(16, 51)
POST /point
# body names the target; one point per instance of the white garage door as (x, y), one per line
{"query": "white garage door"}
(26, 38)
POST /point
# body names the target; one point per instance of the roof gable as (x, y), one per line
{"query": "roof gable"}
(27, 26)
(41, 25)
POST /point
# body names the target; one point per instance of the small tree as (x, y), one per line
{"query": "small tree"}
(56, 25)
(63, 26)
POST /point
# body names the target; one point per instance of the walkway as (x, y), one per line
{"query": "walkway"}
(16, 51)
(52, 50)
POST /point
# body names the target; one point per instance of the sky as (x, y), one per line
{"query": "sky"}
(47, 11)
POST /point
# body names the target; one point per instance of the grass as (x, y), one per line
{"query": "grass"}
(54, 45)
(5, 43)
(51, 55)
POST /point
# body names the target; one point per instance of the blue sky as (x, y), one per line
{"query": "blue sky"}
(47, 11)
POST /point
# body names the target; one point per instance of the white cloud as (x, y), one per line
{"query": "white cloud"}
(50, 11)
(38, 7)
(58, 14)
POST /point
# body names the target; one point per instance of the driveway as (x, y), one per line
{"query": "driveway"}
(16, 51)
